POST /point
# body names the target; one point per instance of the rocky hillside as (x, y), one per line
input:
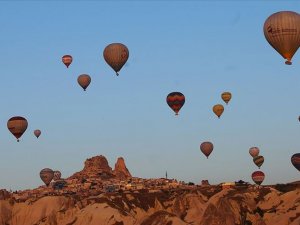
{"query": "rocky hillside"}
(209, 205)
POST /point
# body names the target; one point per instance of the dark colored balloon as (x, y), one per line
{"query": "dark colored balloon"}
(116, 55)
(175, 100)
(46, 175)
(17, 126)
(258, 177)
(37, 133)
(282, 31)
(84, 81)
(67, 60)
(206, 148)
(295, 159)
(258, 160)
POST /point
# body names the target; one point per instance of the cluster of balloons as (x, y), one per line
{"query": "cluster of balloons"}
(257, 176)
(47, 175)
(115, 55)
(17, 125)
(219, 108)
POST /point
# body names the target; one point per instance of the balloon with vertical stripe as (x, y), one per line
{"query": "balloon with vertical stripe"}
(175, 100)
(17, 125)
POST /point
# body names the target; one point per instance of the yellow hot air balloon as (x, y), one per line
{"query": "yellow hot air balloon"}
(116, 55)
(282, 31)
(218, 109)
(226, 96)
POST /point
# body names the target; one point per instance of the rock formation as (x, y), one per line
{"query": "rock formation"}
(121, 170)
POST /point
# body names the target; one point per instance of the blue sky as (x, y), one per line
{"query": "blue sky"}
(200, 48)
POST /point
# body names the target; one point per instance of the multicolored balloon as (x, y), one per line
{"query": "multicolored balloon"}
(56, 175)
(206, 148)
(67, 60)
(282, 31)
(218, 110)
(295, 159)
(116, 55)
(37, 133)
(258, 160)
(258, 177)
(84, 81)
(254, 151)
(226, 96)
(175, 100)
(17, 125)
(46, 175)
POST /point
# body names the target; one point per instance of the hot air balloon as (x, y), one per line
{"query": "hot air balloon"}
(226, 96)
(282, 31)
(258, 177)
(218, 109)
(84, 81)
(299, 118)
(206, 148)
(254, 151)
(67, 60)
(17, 125)
(116, 55)
(258, 160)
(295, 159)
(56, 175)
(175, 100)
(59, 184)
(46, 175)
(37, 133)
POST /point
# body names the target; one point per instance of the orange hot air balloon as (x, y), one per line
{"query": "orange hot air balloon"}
(67, 60)
(37, 133)
(206, 148)
(218, 109)
(17, 125)
(84, 81)
(258, 177)
(116, 55)
(175, 100)
(282, 31)
(226, 96)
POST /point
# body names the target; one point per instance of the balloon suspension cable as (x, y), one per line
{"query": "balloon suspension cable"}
(117, 73)
(288, 62)
(18, 140)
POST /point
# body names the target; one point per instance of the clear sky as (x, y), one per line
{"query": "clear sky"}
(200, 48)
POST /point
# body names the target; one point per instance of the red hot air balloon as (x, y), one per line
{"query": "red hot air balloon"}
(206, 148)
(295, 159)
(37, 133)
(254, 151)
(258, 177)
(17, 125)
(67, 60)
(175, 100)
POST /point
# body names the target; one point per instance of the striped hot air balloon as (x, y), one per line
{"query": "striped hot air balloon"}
(116, 55)
(46, 175)
(84, 81)
(258, 177)
(254, 151)
(37, 133)
(282, 31)
(295, 159)
(175, 100)
(258, 160)
(56, 175)
(218, 110)
(226, 96)
(17, 125)
(206, 148)
(67, 60)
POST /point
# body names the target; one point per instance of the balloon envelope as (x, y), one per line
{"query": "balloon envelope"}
(67, 60)
(258, 160)
(226, 96)
(254, 151)
(218, 109)
(46, 175)
(17, 125)
(84, 81)
(206, 148)
(175, 100)
(116, 55)
(282, 31)
(258, 177)
(56, 175)
(295, 159)
(37, 133)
